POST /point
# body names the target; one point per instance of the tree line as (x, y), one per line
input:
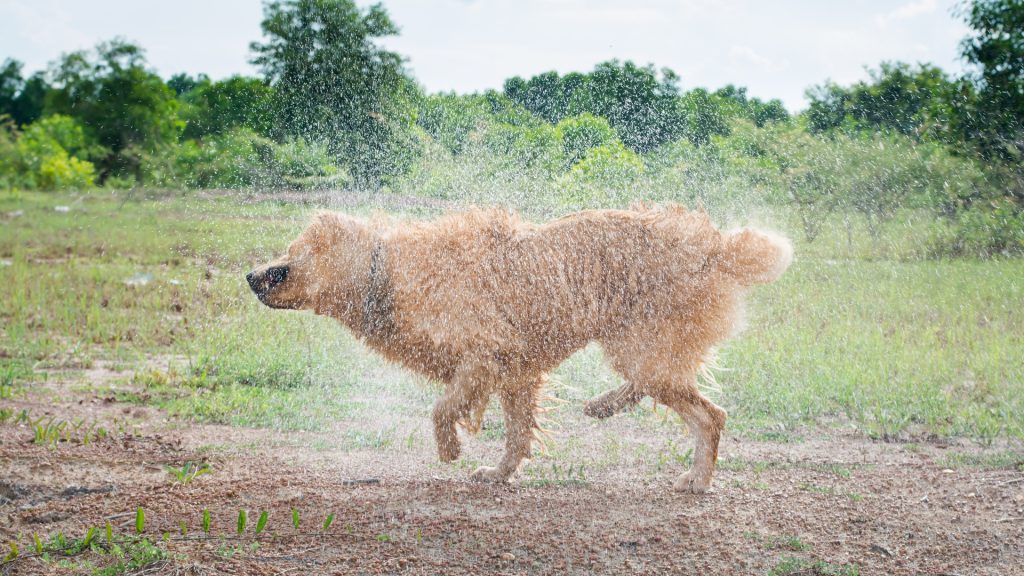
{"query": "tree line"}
(332, 108)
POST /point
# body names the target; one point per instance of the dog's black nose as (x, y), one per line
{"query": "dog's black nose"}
(251, 279)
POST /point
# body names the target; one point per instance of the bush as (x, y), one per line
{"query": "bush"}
(240, 158)
(41, 157)
(526, 147)
(603, 178)
(581, 133)
(984, 229)
(59, 171)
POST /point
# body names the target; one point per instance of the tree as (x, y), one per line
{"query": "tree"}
(214, 107)
(20, 98)
(995, 118)
(640, 105)
(337, 86)
(911, 100)
(581, 133)
(182, 83)
(704, 117)
(125, 108)
(637, 101)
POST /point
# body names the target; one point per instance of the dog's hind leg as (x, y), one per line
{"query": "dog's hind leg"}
(706, 421)
(519, 404)
(663, 375)
(613, 401)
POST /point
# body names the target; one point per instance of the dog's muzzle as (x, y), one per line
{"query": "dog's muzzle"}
(263, 282)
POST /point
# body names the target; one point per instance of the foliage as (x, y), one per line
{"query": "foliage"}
(240, 158)
(581, 133)
(637, 101)
(450, 119)
(21, 98)
(911, 100)
(124, 108)
(42, 157)
(994, 120)
(338, 87)
(212, 108)
(526, 147)
(704, 117)
(603, 177)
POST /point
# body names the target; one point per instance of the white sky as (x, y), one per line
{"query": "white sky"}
(776, 48)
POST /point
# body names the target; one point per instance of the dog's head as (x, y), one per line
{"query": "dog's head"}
(325, 257)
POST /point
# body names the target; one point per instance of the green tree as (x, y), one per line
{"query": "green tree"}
(639, 102)
(911, 100)
(337, 86)
(581, 133)
(21, 98)
(214, 107)
(704, 117)
(125, 108)
(995, 118)
(182, 83)
(641, 105)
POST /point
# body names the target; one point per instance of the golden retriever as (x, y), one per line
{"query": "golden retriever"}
(486, 303)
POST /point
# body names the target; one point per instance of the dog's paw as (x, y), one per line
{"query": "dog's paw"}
(693, 483)
(488, 474)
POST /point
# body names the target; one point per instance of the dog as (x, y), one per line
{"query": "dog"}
(486, 304)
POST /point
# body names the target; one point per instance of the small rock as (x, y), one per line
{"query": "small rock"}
(508, 557)
(880, 550)
(62, 209)
(947, 471)
(139, 279)
(6, 262)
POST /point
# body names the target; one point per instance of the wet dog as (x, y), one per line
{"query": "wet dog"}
(486, 304)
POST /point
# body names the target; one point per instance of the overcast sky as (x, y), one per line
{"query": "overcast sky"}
(776, 48)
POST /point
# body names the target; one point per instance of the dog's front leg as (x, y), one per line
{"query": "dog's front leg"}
(466, 391)
(519, 406)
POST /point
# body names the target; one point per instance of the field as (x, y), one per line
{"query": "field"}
(876, 405)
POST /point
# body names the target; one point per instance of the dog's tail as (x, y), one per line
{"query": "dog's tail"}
(755, 256)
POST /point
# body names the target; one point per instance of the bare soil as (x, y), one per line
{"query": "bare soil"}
(835, 497)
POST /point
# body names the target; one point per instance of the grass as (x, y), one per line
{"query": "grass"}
(855, 335)
(791, 566)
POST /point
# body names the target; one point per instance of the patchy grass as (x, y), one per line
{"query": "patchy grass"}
(790, 566)
(896, 348)
(1002, 460)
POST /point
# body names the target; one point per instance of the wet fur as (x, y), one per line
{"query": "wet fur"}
(487, 304)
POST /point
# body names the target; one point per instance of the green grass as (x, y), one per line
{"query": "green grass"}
(855, 335)
(790, 566)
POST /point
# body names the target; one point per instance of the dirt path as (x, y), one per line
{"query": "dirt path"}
(835, 498)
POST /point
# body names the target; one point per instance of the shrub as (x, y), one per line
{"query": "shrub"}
(59, 171)
(581, 133)
(603, 177)
(41, 157)
(240, 158)
(526, 147)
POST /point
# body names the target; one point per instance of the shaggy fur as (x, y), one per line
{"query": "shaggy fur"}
(487, 304)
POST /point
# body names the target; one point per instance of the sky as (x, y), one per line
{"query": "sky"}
(777, 49)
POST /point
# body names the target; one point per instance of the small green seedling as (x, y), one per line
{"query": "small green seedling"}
(261, 523)
(188, 472)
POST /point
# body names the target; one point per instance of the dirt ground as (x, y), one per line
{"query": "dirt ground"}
(834, 497)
